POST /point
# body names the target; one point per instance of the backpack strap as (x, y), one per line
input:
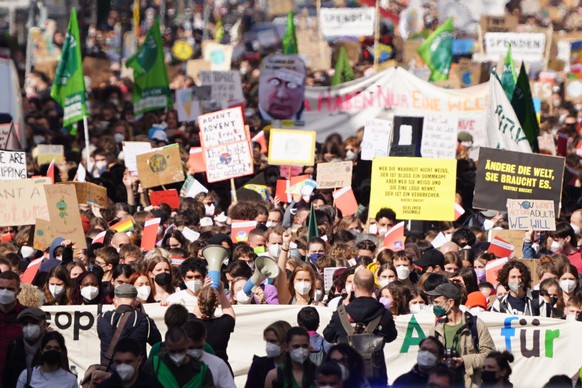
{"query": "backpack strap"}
(471, 322)
(374, 323)
(343, 317)
(120, 325)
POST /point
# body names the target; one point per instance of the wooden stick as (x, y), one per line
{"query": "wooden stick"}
(377, 36)
(232, 190)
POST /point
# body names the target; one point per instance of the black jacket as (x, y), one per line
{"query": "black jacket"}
(139, 327)
(143, 381)
(16, 362)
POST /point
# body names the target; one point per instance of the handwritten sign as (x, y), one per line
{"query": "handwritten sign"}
(133, 148)
(90, 193)
(224, 85)
(333, 175)
(160, 166)
(42, 235)
(226, 145)
(45, 153)
(531, 214)
(291, 147)
(12, 165)
(5, 130)
(169, 197)
(439, 137)
(22, 201)
(64, 214)
(377, 135)
(219, 55)
(186, 106)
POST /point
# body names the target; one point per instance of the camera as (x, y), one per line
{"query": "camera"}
(449, 355)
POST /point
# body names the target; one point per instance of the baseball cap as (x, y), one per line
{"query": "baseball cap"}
(448, 290)
(431, 258)
(33, 313)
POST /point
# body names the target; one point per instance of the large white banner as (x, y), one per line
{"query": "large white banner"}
(546, 346)
(527, 47)
(347, 22)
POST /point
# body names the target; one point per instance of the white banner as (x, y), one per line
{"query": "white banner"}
(547, 346)
(527, 47)
(347, 22)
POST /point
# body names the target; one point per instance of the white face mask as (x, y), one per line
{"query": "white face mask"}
(243, 298)
(348, 288)
(119, 137)
(270, 224)
(273, 350)
(178, 358)
(7, 296)
(125, 371)
(55, 290)
(426, 359)
(299, 355)
(350, 155)
(89, 292)
(384, 282)
(556, 246)
(209, 210)
(195, 353)
(417, 308)
(515, 286)
(318, 295)
(488, 224)
(275, 250)
(302, 287)
(576, 228)
(568, 285)
(194, 285)
(31, 332)
(402, 272)
(570, 318)
(143, 292)
(373, 229)
(382, 230)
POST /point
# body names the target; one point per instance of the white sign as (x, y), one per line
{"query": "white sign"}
(131, 149)
(187, 108)
(347, 22)
(12, 165)
(439, 136)
(527, 47)
(377, 134)
(225, 85)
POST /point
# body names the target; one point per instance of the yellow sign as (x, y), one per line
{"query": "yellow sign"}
(415, 188)
(182, 51)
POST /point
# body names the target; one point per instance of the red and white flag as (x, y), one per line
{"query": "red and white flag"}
(50, 172)
(150, 233)
(262, 140)
(31, 271)
(500, 248)
(99, 238)
(459, 211)
(394, 238)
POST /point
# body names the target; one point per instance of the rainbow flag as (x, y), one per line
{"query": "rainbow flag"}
(124, 225)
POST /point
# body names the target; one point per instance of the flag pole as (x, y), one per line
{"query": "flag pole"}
(86, 133)
(377, 36)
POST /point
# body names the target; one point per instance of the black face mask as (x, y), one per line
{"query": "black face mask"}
(553, 301)
(163, 279)
(488, 376)
(51, 357)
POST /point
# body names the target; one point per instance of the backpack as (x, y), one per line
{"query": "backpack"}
(369, 345)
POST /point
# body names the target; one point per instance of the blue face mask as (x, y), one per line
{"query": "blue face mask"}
(314, 257)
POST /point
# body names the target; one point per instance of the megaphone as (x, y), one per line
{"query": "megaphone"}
(264, 268)
(215, 255)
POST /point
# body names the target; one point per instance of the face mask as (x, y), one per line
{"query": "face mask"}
(101, 165)
(38, 139)
(243, 298)
(125, 371)
(273, 350)
(515, 286)
(350, 155)
(119, 137)
(382, 230)
(303, 287)
(402, 272)
(7, 296)
(488, 376)
(480, 272)
(313, 257)
(488, 224)
(259, 250)
(318, 295)
(55, 290)
(426, 359)
(195, 353)
(209, 210)
(417, 308)
(89, 292)
(373, 229)
(387, 302)
(439, 311)
(553, 300)
(163, 279)
(51, 357)
(7, 237)
(348, 288)
(31, 332)
(570, 318)
(345, 371)
(299, 355)
(270, 224)
(556, 246)
(194, 285)
(275, 250)
(143, 292)
(177, 358)
(568, 285)
(576, 228)
(384, 282)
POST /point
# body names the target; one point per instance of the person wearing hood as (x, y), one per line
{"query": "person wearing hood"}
(430, 353)
(363, 308)
(60, 253)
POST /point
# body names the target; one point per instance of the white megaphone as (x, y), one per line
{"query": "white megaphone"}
(265, 268)
(214, 255)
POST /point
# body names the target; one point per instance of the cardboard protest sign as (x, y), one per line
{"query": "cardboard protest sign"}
(226, 145)
(195, 66)
(282, 87)
(188, 109)
(513, 237)
(64, 214)
(531, 214)
(439, 136)
(334, 174)
(225, 86)
(527, 47)
(169, 197)
(279, 7)
(503, 175)
(219, 55)
(98, 70)
(42, 235)
(377, 134)
(311, 46)
(291, 147)
(131, 149)
(45, 153)
(13, 165)
(407, 134)
(160, 166)
(532, 265)
(415, 188)
(90, 193)
(506, 23)
(22, 202)
(354, 22)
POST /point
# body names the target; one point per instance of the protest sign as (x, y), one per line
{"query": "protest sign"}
(64, 214)
(334, 174)
(169, 197)
(311, 46)
(195, 66)
(160, 166)
(150, 232)
(90, 193)
(532, 214)
(527, 47)
(506, 23)
(240, 230)
(439, 136)
(394, 238)
(280, 7)
(22, 201)
(131, 149)
(513, 237)
(225, 86)
(45, 153)
(196, 160)
(500, 248)
(492, 269)
(291, 147)
(354, 22)
(5, 130)
(226, 145)
(98, 70)
(377, 134)
(503, 175)
(406, 137)
(416, 188)
(345, 200)
(187, 107)
(13, 165)
(192, 187)
(328, 277)
(573, 89)
(42, 235)
(218, 55)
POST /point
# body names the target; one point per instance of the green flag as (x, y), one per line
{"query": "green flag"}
(343, 69)
(437, 51)
(508, 76)
(290, 39)
(68, 88)
(312, 225)
(523, 106)
(151, 87)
